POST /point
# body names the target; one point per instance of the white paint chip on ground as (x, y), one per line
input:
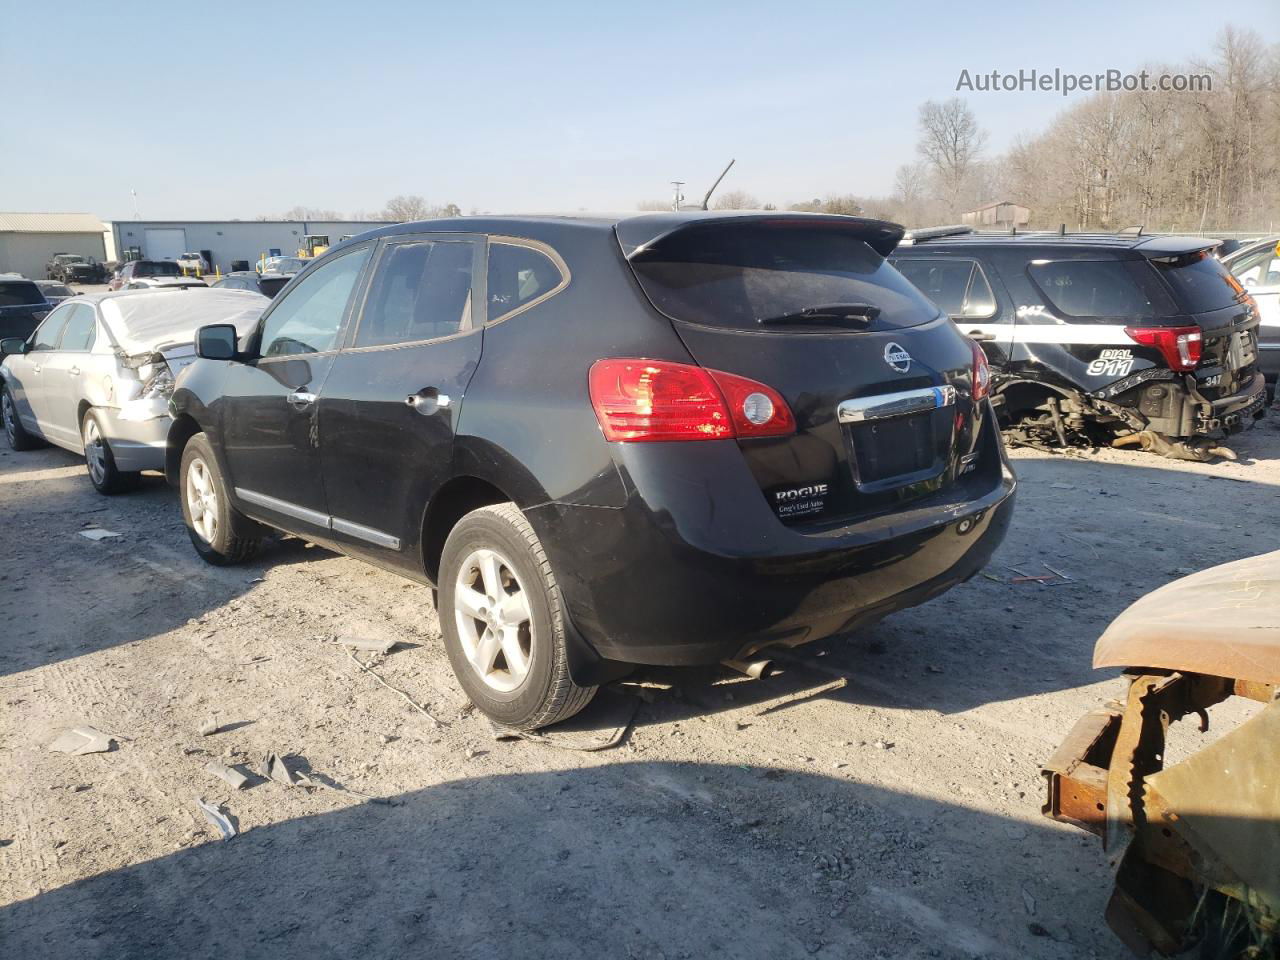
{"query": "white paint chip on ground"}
(98, 534)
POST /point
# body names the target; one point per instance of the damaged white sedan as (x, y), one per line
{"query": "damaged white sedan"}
(96, 375)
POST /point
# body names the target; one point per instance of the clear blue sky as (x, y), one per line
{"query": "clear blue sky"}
(507, 106)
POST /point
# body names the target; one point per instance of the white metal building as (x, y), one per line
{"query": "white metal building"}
(29, 240)
(223, 242)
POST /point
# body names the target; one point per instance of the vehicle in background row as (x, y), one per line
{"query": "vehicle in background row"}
(764, 436)
(143, 269)
(73, 268)
(54, 291)
(95, 377)
(1101, 338)
(165, 283)
(194, 263)
(281, 265)
(22, 306)
(1257, 268)
(267, 284)
(1193, 840)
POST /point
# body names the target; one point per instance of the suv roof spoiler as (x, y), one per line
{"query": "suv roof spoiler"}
(1157, 247)
(642, 234)
(935, 233)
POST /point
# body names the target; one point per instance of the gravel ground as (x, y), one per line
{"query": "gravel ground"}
(880, 798)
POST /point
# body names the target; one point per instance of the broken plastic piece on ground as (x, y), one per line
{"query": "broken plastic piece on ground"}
(209, 727)
(97, 533)
(217, 818)
(229, 774)
(273, 768)
(78, 741)
(369, 644)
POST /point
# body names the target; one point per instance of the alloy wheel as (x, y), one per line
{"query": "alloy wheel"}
(495, 623)
(202, 500)
(10, 421)
(95, 453)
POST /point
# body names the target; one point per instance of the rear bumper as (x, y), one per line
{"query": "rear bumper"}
(136, 444)
(696, 568)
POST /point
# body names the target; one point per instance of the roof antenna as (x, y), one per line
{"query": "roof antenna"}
(707, 198)
(1062, 230)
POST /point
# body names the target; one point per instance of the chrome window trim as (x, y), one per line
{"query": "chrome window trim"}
(546, 250)
(900, 404)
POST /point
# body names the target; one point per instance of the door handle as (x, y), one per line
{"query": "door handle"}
(74, 371)
(428, 401)
(35, 368)
(981, 337)
(301, 399)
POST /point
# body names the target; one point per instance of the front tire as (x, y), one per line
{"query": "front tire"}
(503, 621)
(106, 478)
(14, 431)
(220, 533)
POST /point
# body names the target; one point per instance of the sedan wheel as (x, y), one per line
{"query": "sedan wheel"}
(10, 420)
(95, 453)
(202, 501)
(495, 625)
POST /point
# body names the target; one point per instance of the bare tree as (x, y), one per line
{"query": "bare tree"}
(736, 200)
(950, 143)
(408, 207)
(307, 213)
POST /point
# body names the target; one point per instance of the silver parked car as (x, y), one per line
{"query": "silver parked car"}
(96, 375)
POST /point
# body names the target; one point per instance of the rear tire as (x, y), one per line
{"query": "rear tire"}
(106, 478)
(503, 621)
(221, 534)
(14, 431)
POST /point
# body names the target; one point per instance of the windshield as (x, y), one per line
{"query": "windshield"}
(157, 268)
(71, 258)
(52, 289)
(18, 293)
(1200, 282)
(745, 276)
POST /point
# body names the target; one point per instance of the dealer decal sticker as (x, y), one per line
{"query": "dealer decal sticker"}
(799, 501)
(1112, 363)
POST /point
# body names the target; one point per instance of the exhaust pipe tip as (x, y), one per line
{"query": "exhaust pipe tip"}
(755, 669)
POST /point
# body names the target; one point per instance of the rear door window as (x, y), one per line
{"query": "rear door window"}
(747, 277)
(1200, 282)
(517, 276)
(46, 335)
(1100, 289)
(959, 287)
(420, 291)
(81, 329)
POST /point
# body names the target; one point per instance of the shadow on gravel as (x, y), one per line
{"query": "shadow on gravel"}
(643, 860)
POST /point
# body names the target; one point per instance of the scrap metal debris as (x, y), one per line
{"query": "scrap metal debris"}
(78, 741)
(209, 727)
(273, 768)
(216, 817)
(1196, 842)
(368, 644)
(97, 533)
(625, 708)
(230, 774)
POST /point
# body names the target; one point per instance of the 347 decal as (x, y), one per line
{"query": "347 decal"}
(1115, 362)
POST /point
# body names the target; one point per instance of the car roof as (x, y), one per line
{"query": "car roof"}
(635, 230)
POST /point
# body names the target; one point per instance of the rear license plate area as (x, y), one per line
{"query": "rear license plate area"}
(898, 451)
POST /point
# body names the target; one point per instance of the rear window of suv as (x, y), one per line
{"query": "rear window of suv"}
(1200, 282)
(743, 275)
(157, 268)
(19, 293)
(1100, 289)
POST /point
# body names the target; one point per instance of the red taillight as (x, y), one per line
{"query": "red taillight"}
(981, 373)
(650, 400)
(1180, 346)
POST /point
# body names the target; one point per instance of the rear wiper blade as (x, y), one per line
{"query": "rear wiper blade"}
(827, 313)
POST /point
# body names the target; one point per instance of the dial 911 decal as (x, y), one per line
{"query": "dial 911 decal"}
(1115, 362)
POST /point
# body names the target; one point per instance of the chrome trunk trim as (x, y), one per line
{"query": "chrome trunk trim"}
(900, 404)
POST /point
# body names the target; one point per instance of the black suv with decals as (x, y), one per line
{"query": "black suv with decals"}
(664, 439)
(1124, 339)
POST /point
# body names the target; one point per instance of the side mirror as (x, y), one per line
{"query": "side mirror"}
(217, 341)
(12, 345)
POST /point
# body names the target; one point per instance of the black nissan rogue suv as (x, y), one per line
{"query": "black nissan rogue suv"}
(663, 439)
